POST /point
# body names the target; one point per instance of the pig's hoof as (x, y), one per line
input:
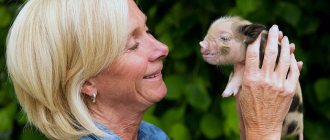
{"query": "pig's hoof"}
(230, 91)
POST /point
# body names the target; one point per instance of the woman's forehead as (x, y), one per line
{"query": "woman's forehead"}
(136, 19)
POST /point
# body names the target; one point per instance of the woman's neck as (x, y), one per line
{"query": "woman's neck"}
(123, 122)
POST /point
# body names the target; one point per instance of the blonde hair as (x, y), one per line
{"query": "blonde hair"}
(53, 47)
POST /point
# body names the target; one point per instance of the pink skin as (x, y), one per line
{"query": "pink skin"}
(266, 93)
(132, 83)
(221, 36)
(256, 116)
(218, 38)
(211, 48)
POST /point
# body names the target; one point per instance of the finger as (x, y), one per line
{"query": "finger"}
(293, 75)
(284, 60)
(300, 65)
(292, 47)
(271, 50)
(252, 56)
(280, 36)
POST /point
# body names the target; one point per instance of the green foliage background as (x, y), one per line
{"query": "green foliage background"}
(193, 108)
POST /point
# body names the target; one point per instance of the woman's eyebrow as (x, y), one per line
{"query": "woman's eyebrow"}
(133, 30)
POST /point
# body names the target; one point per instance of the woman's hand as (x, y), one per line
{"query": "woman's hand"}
(267, 92)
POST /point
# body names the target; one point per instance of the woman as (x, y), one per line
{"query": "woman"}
(87, 70)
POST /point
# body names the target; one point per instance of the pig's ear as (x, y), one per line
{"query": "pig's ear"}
(251, 32)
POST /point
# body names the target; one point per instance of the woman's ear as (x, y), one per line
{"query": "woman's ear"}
(89, 87)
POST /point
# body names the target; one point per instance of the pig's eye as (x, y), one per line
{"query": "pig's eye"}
(225, 38)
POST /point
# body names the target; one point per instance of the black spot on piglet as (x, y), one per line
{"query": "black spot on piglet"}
(292, 126)
(300, 108)
(294, 104)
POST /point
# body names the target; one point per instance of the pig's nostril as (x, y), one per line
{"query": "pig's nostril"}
(204, 47)
(205, 51)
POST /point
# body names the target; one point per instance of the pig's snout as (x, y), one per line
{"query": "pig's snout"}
(204, 49)
(203, 44)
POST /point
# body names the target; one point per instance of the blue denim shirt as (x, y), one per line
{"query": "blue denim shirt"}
(146, 131)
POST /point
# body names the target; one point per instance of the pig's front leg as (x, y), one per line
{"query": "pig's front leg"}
(235, 81)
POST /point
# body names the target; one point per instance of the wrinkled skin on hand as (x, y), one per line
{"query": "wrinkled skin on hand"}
(267, 92)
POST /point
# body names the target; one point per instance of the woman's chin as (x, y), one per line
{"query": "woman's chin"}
(158, 94)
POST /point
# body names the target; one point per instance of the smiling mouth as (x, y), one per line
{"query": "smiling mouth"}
(152, 76)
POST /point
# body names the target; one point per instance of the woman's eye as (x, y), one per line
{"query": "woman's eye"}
(134, 47)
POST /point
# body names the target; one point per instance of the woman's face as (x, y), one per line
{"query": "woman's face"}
(135, 78)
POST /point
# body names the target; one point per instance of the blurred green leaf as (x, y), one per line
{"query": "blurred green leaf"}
(319, 130)
(7, 116)
(4, 16)
(166, 39)
(180, 67)
(327, 113)
(228, 106)
(324, 42)
(179, 132)
(197, 95)
(180, 24)
(322, 88)
(289, 13)
(309, 23)
(175, 86)
(172, 116)
(211, 126)
(31, 134)
(3, 96)
(173, 17)
(161, 28)
(21, 118)
(247, 6)
(182, 51)
(234, 11)
(152, 11)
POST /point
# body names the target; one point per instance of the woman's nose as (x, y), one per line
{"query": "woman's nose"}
(158, 49)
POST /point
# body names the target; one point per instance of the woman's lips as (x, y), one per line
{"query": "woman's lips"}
(152, 75)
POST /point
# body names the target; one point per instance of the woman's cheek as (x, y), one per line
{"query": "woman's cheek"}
(135, 66)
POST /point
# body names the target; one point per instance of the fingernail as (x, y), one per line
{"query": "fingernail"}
(292, 47)
(286, 38)
(275, 27)
(301, 65)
